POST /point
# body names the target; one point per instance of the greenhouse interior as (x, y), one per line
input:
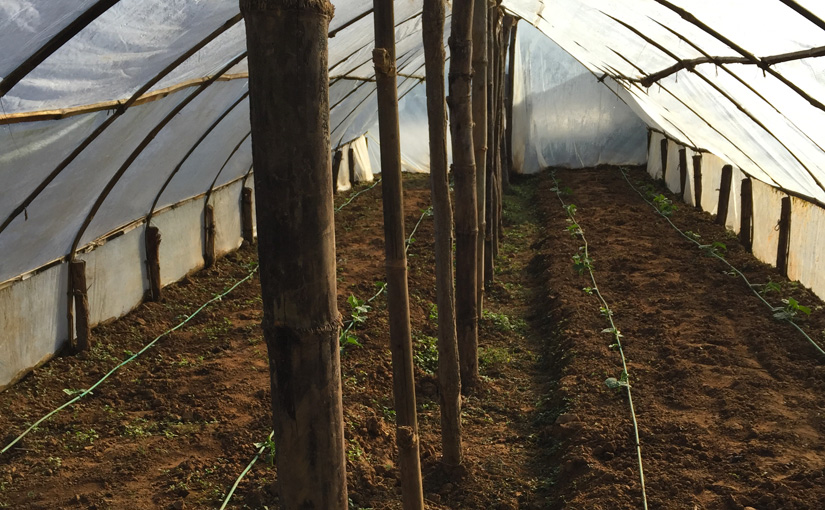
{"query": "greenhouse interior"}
(327, 254)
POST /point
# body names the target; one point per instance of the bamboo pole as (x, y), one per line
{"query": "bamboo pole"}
(745, 223)
(511, 82)
(724, 195)
(289, 116)
(784, 244)
(77, 268)
(464, 172)
(448, 370)
(480, 107)
(406, 437)
(490, 169)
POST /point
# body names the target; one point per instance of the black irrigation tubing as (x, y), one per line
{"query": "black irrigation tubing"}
(263, 446)
(709, 250)
(613, 330)
(88, 391)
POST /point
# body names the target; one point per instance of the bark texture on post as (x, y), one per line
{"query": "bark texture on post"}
(247, 226)
(403, 381)
(745, 224)
(697, 180)
(784, 244)
(464, 173)
(479, 98)
(683, 173)
(449, 383)
(489, 223)
(209, 235)
(77, 270)
(511, 83)
(152, 243)
(289, 114)
(724, 195)
(663, 150)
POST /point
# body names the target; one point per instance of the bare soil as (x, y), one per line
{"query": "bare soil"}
(729, 401)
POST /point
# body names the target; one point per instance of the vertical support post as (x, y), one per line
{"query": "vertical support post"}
(683, 173)
(289, 116)
(511, 83)
(464, 172)
(77, 270)
(152, 243)
(783, 249)
(663, 150)
(479, 98)
(247, 226)
(724, 195)
(449, 382)
(403, 381)
(351, 165)
(745, 225)
(697, 180)
(336, 166)
(209, 235)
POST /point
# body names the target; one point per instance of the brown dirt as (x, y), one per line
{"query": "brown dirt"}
(729, 401)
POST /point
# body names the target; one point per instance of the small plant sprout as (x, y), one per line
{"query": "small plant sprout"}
(664, 205)
(581, 262)
(693, 235)
(607, 312)
(769, 287)
(571, 209)
(588, 290)
(790, 310)
(614, 332)
(268, 446)
(574, 229)
(716, 248)
(621, 382)
(359, 310)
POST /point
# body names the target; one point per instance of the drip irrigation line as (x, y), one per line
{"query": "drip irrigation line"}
(131, 358)
(356, 194)
(427, 212)
(616, 336)
(712, 252)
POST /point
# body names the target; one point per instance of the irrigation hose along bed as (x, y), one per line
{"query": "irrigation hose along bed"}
(607, 312)
(350, 323)
(713, 252)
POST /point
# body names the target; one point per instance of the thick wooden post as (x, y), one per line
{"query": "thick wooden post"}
(724, 195)
(208, 235)
(449, 381)
(479, 95)
(783, 248)
(152, 243)
(683, 173)
(511, 84)
(77, 270)
(663, 150)
(403, 382)
(745, 225)
(697, 180)
(289, 114)
(464, 173)
(490, 171)
(351, 165)
(247, 225)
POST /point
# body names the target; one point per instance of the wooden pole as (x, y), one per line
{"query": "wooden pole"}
(403, 382)
(247, 226)
(663, 145)
(449, 381)
(351, 165)
(697, 180)
(724, 195)
(289, 116)
(464, 173)
(784, 245)
(511, 85)
(479, 98)
(152, 243)
(77, 270)
(336, 166)
(745, 225)
(683, 172)
(209, 235)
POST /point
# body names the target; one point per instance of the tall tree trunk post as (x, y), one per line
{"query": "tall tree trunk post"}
(479, 96)
(448, 372)
(403, 382)
(289, 114)
(511, 84)
(464, 173)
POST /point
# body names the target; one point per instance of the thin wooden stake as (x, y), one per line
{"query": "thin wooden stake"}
(663, 150)
(746, 224)
(77, 269)
(697, 180)
(152, 242)
(464, 172)
(247, 225)
(480, 108)
(351, 165)
(336, 166)
(511, 81)
(683, 173)
(449, 379)
(289, 116)
(784, 246)
(209, 235)
(406, 438)
(724, 195)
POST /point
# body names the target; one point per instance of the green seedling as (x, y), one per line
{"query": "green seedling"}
(790, 310)
(425, 353)
(359, 310)
(269, 450)
(693, 235)
(664, 205)
(621, 382)
(588, 290)
(571, 209)
(614, 332)
(607, 312)
(582, 263)
(770, 287)
(574, 230)
(716, 248)
(73, 392)
(433, 312)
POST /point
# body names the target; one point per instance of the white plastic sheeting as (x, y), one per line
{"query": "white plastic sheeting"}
(355, 167)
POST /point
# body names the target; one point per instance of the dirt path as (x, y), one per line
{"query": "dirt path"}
(729, 401)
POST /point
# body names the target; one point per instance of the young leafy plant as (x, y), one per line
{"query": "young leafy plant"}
(790, 310)
(359, 310)
(581, 262)
(664, 204)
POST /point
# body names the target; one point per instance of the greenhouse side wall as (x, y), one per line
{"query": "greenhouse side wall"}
(33, 308)
(807, 219)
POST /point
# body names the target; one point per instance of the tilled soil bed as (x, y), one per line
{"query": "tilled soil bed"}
(729, 401)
